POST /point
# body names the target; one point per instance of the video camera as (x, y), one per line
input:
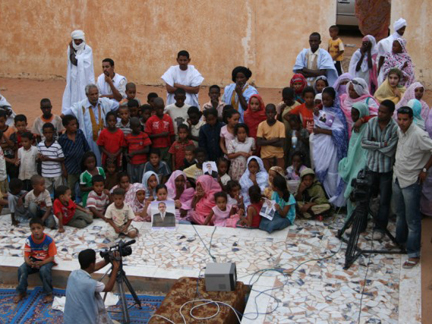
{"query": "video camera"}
(123, 248)
(361, 187)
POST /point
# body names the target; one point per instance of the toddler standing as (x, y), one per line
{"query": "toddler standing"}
(27, 156)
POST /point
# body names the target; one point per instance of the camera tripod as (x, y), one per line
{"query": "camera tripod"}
(122, 280)
(358, 220)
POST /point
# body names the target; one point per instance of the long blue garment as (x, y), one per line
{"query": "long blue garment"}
(248, 92)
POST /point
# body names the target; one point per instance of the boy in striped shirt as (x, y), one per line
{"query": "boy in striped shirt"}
(39, 253)
(98, 199)
(52, 157)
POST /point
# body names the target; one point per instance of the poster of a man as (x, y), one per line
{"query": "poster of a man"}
(163, 214)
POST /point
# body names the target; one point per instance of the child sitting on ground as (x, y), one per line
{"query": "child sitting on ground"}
(90, 170)
(38, 202)
(189, 158)
(196, 169)
(223, 166)
(68, 212)
(150, 181)
(311, 198)
(169, 220)
(239, 150)
(52, 157)
(98, 199)
(195, 123)
(234, 197)
(120, 216)
(222, 214)
(178, 147)
(39, 253)
(253, 218)
(271, 139)
(297, 166)
(137, 146)
(27, 160)
(215, 102)
(139, 203)
(124, 123)
(16, 201)
(159, 167)
(111, 140)
(285, 207)
(47, 117)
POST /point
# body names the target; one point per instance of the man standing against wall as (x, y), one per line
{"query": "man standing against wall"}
(80, 71)
(413, 160)
(111, 85)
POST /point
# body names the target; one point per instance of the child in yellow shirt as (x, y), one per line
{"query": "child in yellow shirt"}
(336, 48)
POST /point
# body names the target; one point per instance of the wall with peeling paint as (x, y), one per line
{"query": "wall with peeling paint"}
(417, 34)
(143, 37)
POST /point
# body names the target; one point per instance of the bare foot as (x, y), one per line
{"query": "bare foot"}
(48, 299)
(19, 297)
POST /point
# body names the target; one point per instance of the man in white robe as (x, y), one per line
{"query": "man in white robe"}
(183, 76)
(91, 113)
(80, 71)
(6, 106)
(385, 45)
(314, 61)
(111, 85)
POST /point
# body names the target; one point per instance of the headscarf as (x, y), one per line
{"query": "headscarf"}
(186, 196)
(385, 91)
(78, 34)
(342, 88)
(346, 102)
(321, 77)
(210, 186)
(253, 118)
(398, 24)
(132, 200)
(306, 172)
(410, 94)
(246, 182)
(278, 170)
(415, 105)
(298, 92)
(145, 179)
(242, 69)
(398, 60)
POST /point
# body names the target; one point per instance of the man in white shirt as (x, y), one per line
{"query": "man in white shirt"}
(111, 85)
(183, 76)
(83, 300)
(413, 160)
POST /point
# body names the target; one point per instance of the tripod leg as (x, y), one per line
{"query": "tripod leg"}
(352, 252)
(132, 291)
(123, 302)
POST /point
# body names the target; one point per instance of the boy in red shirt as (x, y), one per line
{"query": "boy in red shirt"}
(160, 129)
(39, 252)
(305, 110)
(111, 140)
(178, 147)
(137, 146)
(68, 212)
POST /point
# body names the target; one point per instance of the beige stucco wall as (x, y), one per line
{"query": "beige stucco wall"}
(418, 34)
(143, 37)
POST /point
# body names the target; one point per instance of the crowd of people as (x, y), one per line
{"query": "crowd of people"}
(109, 156)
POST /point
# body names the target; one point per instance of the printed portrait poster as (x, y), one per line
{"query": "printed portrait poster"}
(210, 168)
(163, 214)
(268, 209)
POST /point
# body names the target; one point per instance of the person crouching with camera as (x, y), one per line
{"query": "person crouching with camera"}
(84, 303)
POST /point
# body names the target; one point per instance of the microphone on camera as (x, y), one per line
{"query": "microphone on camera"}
(129, 243)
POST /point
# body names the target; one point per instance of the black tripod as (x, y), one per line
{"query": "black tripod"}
(358, 221)
(121, 281)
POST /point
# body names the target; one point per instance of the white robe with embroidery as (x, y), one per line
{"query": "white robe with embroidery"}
(78, 76)
(324, 62)
(191, 78)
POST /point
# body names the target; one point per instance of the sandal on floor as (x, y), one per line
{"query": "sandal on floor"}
(409, 264)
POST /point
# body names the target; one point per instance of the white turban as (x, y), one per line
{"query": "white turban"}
(78, 34)
(399, 24)
(318, 96)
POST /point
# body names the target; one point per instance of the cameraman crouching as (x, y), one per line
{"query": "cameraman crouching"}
(84, 304)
